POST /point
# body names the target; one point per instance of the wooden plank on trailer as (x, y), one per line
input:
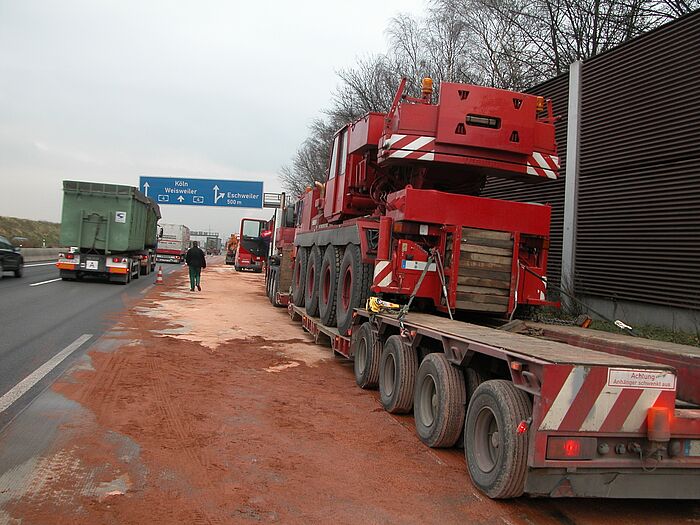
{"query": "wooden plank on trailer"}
(482, 273)
(468, 280)
(496, 243)
(481, 298)
(483, 290)
(487, 250)
(485, 234)
(466, 264)
(480, 257)
(481, 307)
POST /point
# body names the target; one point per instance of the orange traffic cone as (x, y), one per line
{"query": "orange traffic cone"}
(159, 275)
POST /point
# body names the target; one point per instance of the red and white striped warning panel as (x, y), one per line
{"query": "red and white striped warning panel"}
(413, 147)
(601, 399)
(543, 165)
(382, 273)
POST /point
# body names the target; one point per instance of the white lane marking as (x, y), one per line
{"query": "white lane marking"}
(46, 282)
(32, 379)
(39, 264)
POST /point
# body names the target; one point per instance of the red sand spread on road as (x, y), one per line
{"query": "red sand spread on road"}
(238, 418)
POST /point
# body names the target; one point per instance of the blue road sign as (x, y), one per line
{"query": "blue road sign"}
(203, 192)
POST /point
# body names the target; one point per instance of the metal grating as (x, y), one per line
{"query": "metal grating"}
(639, 182)
(550, 192)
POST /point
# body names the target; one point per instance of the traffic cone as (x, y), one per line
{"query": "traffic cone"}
(159, 275)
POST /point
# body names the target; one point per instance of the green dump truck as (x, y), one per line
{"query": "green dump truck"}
(112, 232)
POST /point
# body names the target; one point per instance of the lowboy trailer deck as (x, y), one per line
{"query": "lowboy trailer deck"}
(537, 417)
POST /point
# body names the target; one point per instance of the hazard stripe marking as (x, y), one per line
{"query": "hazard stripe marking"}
(565, 397)
(638, 415)
(618, 413)
(585, 400)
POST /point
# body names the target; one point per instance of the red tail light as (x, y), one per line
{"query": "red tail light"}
(571, 447)
(70, 256)
(116, 259)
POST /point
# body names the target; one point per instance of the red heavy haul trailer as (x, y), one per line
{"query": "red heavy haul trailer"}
(278, 278)
(253, 245)
(400, 219)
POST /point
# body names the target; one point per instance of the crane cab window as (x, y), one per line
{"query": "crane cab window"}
(339, 154)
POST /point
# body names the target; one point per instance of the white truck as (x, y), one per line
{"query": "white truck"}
(173, 243)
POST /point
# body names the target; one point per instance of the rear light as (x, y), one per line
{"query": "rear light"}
(571, 447)
(659, 424)
(70, 256)
(116, 259)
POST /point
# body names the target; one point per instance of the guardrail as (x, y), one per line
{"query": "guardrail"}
(40, 254)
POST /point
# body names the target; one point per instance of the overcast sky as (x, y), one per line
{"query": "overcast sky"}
(111, 90)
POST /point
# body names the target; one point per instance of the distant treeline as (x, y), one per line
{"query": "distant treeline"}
(30, 234)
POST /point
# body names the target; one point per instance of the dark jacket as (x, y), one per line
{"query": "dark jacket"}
(195, 257)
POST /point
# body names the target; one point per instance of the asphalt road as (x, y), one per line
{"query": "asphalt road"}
(41, 315)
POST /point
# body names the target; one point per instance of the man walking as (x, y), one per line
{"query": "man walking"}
(196, 260)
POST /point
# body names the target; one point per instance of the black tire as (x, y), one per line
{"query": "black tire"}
(397, 376)
(237, 268)
(328, 284)
(299, 276)
(275, 285)
(354, 281)
(496, 454)
(268, 281)
(313, 271)
(19, 271)
(472, 379)
(366, 356)
(439, 401)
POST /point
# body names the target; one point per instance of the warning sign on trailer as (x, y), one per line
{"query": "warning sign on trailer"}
(627, 378)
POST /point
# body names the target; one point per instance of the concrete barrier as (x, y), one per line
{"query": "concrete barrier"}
(40, 254)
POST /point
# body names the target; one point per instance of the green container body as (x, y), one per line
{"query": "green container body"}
(108, 218)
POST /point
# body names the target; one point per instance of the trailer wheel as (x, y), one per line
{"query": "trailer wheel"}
(496, 454)
(275, 285)
(313, 271)
(328, 284)
(367, 352)
(353, 286)
(397, 376)
(439, 402)
(299, 276)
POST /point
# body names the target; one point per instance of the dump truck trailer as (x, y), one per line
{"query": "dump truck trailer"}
(111, 229)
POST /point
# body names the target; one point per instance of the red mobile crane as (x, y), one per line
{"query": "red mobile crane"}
(400, 218)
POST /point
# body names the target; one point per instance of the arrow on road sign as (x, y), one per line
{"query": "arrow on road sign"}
(146, 185)
(181, 198)
(217, 196)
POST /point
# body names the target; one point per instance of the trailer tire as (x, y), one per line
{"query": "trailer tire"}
(299, 276)
(328, 284)
(439, 402)
(313, 271)
(366, 355)
(354, 281)
(397, 376)
(275, 286)
(496, 454)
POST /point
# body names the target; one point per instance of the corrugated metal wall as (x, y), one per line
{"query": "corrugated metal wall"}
(548, 191)
(638, 235)
(639, 180)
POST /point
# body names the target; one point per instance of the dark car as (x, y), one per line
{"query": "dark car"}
(11, 259)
